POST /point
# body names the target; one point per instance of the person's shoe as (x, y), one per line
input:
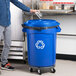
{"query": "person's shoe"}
(7, 66)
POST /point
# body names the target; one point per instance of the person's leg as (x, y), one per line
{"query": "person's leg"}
(6, 48)
(7, 43)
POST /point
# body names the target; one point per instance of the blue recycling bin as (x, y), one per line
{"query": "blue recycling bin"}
(41, 41)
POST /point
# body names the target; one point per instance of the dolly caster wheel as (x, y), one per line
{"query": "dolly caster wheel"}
(53, 70)
(31, 70)
(39, 72)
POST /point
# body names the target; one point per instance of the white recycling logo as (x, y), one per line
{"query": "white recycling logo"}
(41, 46)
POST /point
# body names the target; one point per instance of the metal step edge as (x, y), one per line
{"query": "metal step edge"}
(13, 51)
(14, 57)
(13, 48)
(12, 54)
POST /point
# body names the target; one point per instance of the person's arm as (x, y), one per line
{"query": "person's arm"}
(21, 6)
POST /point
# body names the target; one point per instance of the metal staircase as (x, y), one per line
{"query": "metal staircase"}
(17, 50)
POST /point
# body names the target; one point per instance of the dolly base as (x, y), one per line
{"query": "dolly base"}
(39, 69)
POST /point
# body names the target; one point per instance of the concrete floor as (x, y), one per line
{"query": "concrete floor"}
(63, 68)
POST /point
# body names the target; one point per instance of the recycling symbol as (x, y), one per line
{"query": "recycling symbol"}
(40, 44)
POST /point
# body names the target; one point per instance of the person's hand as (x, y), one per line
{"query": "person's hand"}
(34, 11)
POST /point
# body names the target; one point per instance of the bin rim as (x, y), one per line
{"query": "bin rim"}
(38, 28)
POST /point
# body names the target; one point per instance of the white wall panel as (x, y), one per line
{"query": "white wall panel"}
(16, 21)
(66, 45)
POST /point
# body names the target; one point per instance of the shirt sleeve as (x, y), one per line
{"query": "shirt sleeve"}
(20, 5)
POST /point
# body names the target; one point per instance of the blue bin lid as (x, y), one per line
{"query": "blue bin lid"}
(41, 23)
